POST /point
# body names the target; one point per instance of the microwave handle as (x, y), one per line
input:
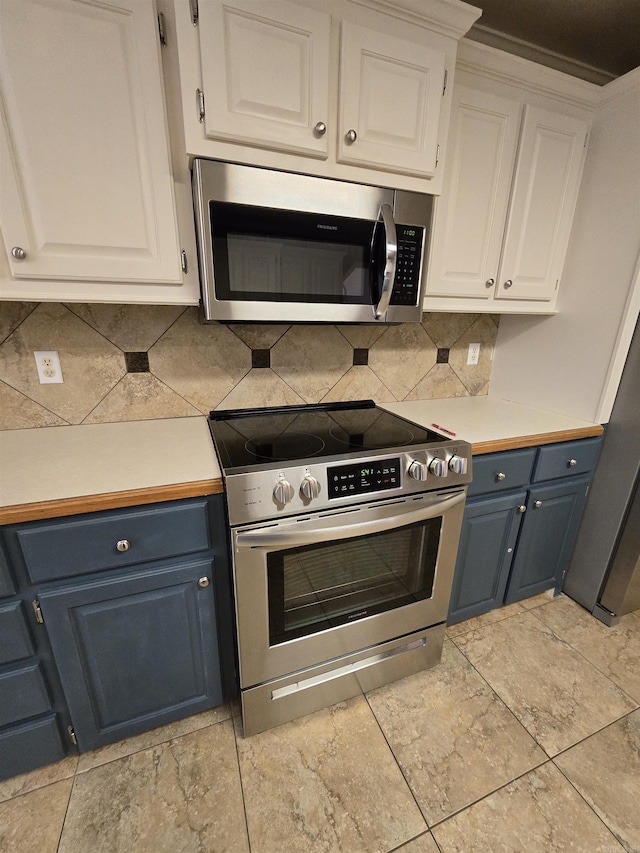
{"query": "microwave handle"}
(390, 266)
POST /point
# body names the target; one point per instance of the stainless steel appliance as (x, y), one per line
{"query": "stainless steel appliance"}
(604, 573)
(276, 246)
(345, 522)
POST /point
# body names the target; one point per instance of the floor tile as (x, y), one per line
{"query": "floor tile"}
(179, 797)
(539, 813)
(122, 748)
(605, 768)
(452, 736)
(326, 783)
(26, 782)
(32, 823)
(615, 651)
(423, 844)
(556, 694)
(489, 618)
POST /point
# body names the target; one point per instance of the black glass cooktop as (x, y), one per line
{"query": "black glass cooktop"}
(253, 437)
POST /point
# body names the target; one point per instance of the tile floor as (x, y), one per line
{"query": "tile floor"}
(526, 737)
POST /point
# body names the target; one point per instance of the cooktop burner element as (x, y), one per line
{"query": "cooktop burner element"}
(290, 460)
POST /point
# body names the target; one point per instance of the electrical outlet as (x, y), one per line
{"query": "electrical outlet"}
(48, 364)
(473, 354)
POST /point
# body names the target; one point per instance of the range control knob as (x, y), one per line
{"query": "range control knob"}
(283, 492)
(310, 487)
(458, 464)
(418, 470)
(438, 467)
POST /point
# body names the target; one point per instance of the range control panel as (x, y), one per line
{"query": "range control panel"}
(374, 476)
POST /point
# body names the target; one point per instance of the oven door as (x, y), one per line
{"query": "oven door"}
(313, 589)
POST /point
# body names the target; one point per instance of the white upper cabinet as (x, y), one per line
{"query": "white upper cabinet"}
(515, 159)
(265, 71)
(324, 87)
(87, 191)
(390, 97)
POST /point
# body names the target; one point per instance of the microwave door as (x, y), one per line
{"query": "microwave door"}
(390, 255)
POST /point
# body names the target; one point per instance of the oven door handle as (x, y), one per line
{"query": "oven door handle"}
(274, 538)
(389, 276)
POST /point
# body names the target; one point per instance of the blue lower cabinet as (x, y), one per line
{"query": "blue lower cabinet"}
(29, 745)
(520, 524)
(489, 532)
(135, 650)
(547, 538)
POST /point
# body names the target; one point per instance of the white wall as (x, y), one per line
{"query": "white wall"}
(571, 362)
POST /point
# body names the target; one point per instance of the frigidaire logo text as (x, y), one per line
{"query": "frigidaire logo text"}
(328, 227)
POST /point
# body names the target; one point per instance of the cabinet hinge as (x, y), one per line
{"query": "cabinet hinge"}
(444, 87)
(72, 735)
(161, 30)
(38, 611)
(437, 156)
(557, 283)
(193, 6)
(586, 139)
(200, 104)
(183, 261)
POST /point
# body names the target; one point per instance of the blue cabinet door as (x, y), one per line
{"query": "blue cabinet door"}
(489, 532)
(135, 650)
(547, 537)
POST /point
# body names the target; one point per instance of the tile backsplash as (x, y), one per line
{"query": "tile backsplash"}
(134, 362)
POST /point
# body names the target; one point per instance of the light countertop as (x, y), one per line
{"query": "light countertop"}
(491, 424)
(54, 471)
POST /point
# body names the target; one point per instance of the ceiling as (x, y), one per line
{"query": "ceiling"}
(596, 40)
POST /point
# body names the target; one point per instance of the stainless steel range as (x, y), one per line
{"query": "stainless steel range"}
(345, 522)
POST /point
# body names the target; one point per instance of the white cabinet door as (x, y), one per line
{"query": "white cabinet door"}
(390, 98)
(543, 199)
(472, 210)
(265, 73)
(86, 185)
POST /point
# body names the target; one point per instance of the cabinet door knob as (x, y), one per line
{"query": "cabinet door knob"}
(501, 476)
(18, 253)
(522, 508)
(320, 129)
(508, 284)
(203, 583)
(351, 136)
(573, 463)
(123, 545)
(490, 282)
(537, 504)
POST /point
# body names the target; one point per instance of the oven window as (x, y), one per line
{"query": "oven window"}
(315, 587)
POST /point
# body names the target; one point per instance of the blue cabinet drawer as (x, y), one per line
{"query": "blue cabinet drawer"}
(496, 472)
(15, 639)
(24, 694)
(566, 459)
(25, 746)
(107, 540)
(6, 584)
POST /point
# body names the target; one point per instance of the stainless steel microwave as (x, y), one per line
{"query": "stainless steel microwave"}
(281, 247)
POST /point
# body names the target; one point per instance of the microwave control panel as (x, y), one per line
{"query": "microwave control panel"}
(407, 281)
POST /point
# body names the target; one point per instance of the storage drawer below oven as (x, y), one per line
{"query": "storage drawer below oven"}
(297, 694)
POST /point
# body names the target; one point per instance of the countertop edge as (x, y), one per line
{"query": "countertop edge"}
(111, 500)
(516, 442)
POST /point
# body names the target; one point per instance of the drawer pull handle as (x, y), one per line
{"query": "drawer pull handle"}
(508, 283)
(538, 504)
(203, 583)
(123, 545)
(522, 508)
(573, 463)
(320, 128)
(351, 136)
(501, 476)
(490, 282)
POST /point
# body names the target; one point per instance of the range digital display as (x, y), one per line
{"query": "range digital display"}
(376, 476)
